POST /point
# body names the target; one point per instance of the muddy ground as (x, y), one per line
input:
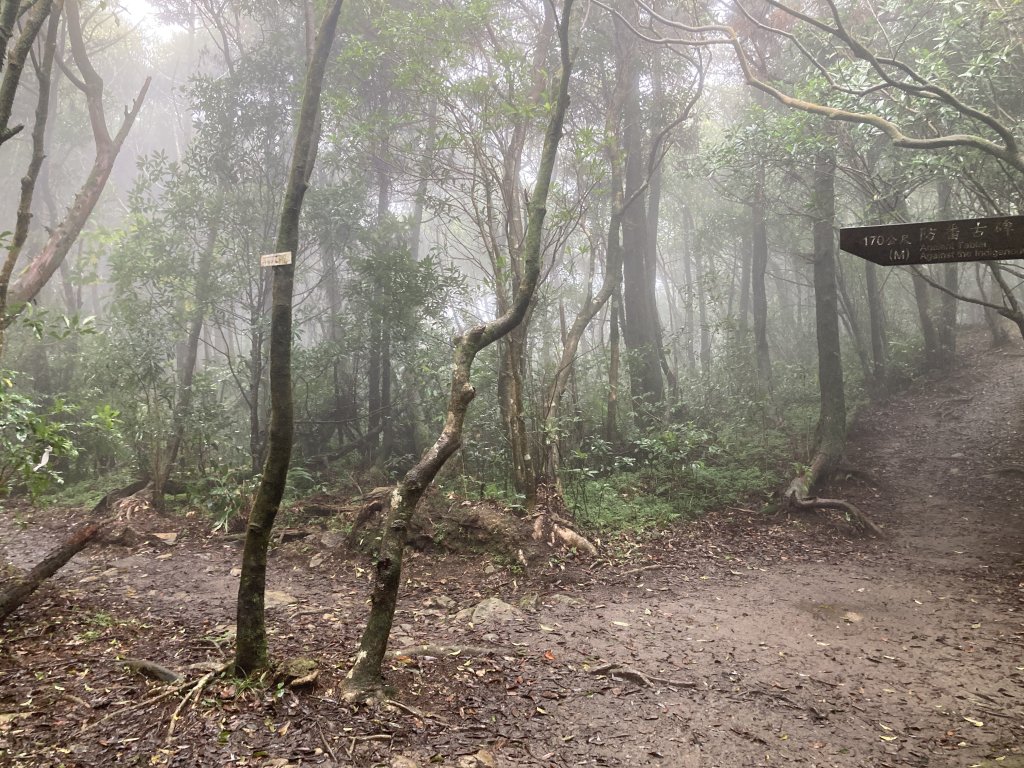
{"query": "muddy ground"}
(743, 640)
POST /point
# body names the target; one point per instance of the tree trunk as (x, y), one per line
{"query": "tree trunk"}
(642, 332)
(188, 369)
(831, 431)
(364, 679)
(997, 330)
(876, 316)
(948, 304)
(19, 590)
(853, 325)
(931, 338)
(611, 418)
(758, 290)
(251, 648)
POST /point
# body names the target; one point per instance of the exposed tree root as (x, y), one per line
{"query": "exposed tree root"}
(430, 649)
(549, 524)
(1016, 470)
(152, 669)
(616, 671)
(797, 496)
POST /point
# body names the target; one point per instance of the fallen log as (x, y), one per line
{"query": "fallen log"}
(21, 587)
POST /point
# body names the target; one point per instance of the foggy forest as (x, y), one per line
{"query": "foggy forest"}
(481, 383)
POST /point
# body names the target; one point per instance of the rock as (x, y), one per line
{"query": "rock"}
(273, 599)
(481, 759)
(529, 603)
(490, 610)
(297, 671)
(401, 761)
(439, 601)
(316, 560)
(332, 540)
(490, 570)
(167, 538)
(559, 599)
(122, 535)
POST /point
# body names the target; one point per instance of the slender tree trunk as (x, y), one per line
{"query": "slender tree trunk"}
(922, 298)
(876, 316)
(759, 294)
(689, 316)
(997, 330)
(364, 679)
(853, 325)
(831, 432)
(611, 418)
(251, 649)
(948, 304)
(570, 345)
(702, 318)
(183, 407)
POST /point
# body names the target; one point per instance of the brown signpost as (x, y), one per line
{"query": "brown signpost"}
(933, 242)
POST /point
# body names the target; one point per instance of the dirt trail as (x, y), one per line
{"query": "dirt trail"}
(766, 644)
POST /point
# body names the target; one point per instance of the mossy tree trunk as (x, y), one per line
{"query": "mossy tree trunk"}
(364, 679)
(251, 650)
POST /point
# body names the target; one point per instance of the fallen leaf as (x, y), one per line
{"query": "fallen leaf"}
(975, 723)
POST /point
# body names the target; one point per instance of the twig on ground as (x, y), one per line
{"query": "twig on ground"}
(353, 740)
(616, 670)
(193, 696)
(323, 740)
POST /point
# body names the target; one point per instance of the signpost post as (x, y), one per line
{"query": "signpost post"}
(936, 242)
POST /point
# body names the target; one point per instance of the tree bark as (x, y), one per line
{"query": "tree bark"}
(251, 649)
(364, 679)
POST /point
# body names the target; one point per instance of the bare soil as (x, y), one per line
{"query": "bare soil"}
(742, 640)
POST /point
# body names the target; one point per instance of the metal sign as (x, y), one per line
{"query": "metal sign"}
(934, 242)
(276, 259)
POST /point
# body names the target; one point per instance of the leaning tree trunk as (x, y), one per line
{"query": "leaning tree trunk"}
(21, 587)
(251, 649)
(364, 679)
